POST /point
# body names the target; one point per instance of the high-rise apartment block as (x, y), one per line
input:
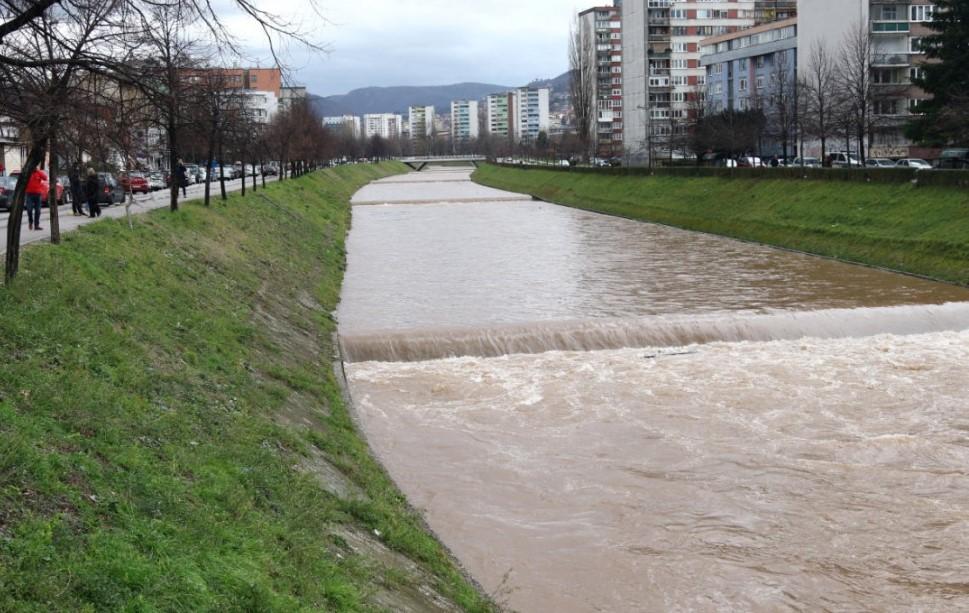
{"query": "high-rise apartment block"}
(663, 81)
(500, 116)
(464, 120)
(895, 32)
(420, 120)
(601, 33)
(384, 125)
(531, 113)
(520, 115)
(348, 125)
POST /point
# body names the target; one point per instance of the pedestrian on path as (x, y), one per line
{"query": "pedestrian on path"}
(77, 191)
(37, 187)
(91, 189)
(181, 175)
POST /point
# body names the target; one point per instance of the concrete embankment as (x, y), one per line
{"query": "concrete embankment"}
(920, 230)
(172, 434)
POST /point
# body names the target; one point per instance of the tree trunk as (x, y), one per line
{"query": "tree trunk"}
(262, 172)
(173, 161)
(55, 222)
(16, 219)
(254, 178)
(222, 173)
(243, 177)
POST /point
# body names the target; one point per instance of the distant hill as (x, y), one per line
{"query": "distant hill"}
(398, 99)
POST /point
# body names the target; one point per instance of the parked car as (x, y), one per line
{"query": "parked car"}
(806, 162)
(841, 159)
(63, 190)
(749, 162)
(156, 181)
(7, 186)
(954, 159)
(915, 163)
(879, 163)
(201, 175)
(135, 182)
(192, 173)
(271, 171)
(109, 189)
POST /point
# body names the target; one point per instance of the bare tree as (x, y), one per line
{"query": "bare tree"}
(582, 83)
(784, 102)
(854, 81)
(818, 90)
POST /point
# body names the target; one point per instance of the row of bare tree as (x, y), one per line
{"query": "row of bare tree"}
(93, 80)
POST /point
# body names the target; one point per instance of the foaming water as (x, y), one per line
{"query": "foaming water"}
(659, 331)
(795, 475)
(598, 446)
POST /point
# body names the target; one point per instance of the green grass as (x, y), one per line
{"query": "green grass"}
(159, 388)
(918, 230)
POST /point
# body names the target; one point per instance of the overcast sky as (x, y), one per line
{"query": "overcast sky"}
(426, 42)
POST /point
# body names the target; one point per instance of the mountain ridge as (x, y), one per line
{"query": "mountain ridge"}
(396, 99)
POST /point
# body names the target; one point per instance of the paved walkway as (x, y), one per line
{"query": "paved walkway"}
(142, 204)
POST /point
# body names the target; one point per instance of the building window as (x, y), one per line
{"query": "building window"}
(889, 13)
(915, 45)
(916, 73)
(742, 85)
(922, 12)
(760, 82)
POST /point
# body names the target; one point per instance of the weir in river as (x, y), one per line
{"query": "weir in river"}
(600, 414)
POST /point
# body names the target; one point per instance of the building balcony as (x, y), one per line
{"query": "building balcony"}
(890, 59)
(889, 27)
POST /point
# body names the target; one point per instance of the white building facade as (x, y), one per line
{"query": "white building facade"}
(420, 120)
(531, 114)
(464, 120)
(347, 124)
(384, 125)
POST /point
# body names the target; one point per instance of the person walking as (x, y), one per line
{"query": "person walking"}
(91, 189)
(181, 175)
(77, 191)
(37, 188)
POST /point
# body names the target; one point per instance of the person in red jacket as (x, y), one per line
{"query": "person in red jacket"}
(37, 188)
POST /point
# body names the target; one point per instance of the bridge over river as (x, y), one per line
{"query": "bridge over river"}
(419, 163)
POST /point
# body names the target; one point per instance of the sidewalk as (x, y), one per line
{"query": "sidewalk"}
(142, 204)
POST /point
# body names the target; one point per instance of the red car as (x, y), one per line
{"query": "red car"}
(134, 182)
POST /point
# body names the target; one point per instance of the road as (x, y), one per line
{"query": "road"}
(142, 204)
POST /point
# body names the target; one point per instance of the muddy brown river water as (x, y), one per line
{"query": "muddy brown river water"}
(602, 415)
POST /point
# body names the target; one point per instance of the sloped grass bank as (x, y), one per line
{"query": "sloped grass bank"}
(920, 230)
(172, 436)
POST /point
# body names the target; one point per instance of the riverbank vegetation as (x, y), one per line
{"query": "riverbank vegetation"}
(921, 230)
(172, 435)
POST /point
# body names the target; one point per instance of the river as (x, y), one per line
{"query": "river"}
(597, 414)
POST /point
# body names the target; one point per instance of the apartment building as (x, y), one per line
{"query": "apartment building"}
(896, 30)
(420, 121)
(755, 68)
(663, 81)
(384, 125)
(344, 124)
(531, 113)
(601, 32)
(500, 114)
(464, 120)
